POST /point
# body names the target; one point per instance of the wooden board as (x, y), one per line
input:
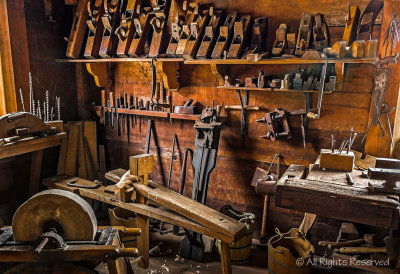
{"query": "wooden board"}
(70, 165)
(90, 134)
(326, 193)
(160, 213)
(198, 212)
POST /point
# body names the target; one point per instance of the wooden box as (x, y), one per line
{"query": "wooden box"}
(336, 161)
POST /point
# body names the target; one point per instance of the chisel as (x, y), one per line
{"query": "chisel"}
(118, 118)
(103, 118)
(112, 105)
(122, 102)
(128, 128)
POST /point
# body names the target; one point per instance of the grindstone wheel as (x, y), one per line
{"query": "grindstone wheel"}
(67, 213)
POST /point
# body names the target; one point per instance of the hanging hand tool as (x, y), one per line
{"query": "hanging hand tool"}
(112, 106)
(123, 115)
(151, 130)
(172, 160)
(182, 182)
(243, 107)
(154, 91)
(208, 132)
(118, 116)
(103, 115)
(367, 19)
(317, 115)
(391, 36)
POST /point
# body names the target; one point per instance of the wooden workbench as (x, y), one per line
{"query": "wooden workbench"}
(34, 145)
(326, 193)
(226, 230)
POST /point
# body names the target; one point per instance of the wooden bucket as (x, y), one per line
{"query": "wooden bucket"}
(290, 253)
(122, 217)
(241, 250)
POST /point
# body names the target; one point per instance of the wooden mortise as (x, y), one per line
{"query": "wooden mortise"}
(219, 72)
(168, 72)
(339, 69)
(100, 74)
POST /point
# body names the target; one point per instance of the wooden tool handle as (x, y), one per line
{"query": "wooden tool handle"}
(103, 98)
(340, 244)
(131, 231)
(127, 252)
(111, 98)
(240, 107)
(362, 250)
(157, 93)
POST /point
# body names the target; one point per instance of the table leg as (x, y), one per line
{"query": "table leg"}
(36, 165)
(226, 258)
(143, 240)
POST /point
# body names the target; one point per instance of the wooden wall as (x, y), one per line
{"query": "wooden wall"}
(230, 181)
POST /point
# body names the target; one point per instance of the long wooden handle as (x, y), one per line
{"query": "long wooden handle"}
(362, 250)
(240, 107)
(341, 244)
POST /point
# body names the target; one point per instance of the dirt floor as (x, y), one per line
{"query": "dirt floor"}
(166, 260)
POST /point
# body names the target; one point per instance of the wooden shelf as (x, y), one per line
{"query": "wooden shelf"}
(179, 116)
(270, 61)
(280, 61)
(119, 60)
(149, 113)
(272, 89)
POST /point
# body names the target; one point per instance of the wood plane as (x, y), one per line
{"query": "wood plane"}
(192, 11)
(320, 32)
(126, 28)
(111, 21)
(196, 33)
(367, 19)
(291, 44)
(96, 27)
(241, 37)
(142, 32)
(350, 30)
(256, 49)
(78, 30)
(210, 35)
(225, 36)
(280, 41)
(176, 29)
(304, 34)
(159, 22)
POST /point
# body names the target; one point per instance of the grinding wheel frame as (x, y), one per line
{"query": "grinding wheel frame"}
(67, 213)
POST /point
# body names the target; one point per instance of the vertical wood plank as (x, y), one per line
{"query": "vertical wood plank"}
(8, 101)
(36, 166)
(226, 258)
(62, 158)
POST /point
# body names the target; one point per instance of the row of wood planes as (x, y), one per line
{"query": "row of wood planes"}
(164, 28)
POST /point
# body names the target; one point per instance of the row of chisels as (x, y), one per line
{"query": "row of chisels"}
(112, 113)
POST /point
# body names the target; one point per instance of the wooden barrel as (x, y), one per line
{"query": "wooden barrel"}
(122, 217)
(241, 249)
(290, 253)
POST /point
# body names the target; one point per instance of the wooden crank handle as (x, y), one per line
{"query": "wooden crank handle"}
(362, 250)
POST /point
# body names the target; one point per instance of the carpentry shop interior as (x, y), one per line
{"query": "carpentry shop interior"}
(199, 136)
